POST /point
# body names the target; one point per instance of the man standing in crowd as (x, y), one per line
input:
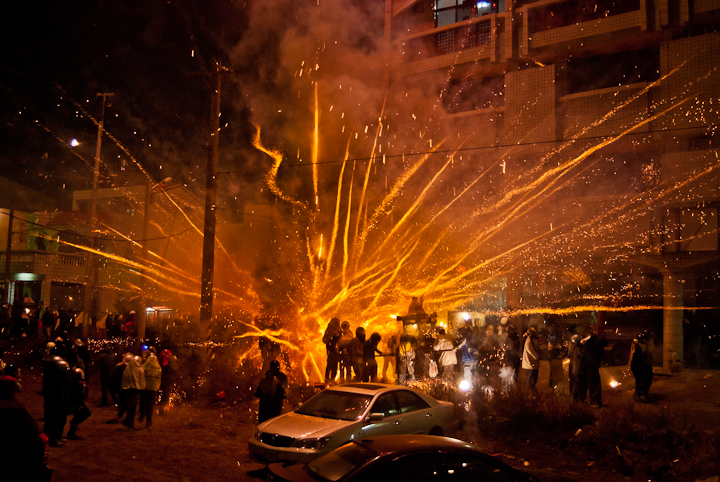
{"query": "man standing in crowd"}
(531, 357)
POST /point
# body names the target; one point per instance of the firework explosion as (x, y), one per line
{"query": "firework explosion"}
(401, 199)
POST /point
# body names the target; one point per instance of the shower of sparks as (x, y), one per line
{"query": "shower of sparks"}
(415, 240)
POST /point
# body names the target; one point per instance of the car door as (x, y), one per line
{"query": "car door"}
(391, 424)
(417, 416)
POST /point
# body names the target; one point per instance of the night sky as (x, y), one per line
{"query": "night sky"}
(154, 57)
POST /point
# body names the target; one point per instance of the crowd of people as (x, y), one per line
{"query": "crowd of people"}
(132, 385)
(469, 353)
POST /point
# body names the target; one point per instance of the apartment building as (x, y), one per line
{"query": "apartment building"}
(526, 78)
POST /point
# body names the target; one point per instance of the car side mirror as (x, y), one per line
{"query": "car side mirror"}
(374, 417)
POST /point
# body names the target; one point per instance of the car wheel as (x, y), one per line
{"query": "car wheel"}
(436, 431)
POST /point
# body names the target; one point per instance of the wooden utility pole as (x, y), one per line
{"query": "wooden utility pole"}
(8, 255)
(208, 265)
(142, 315)
(91, 268)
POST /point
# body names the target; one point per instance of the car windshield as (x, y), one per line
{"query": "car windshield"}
(338, 463)
(336, 404)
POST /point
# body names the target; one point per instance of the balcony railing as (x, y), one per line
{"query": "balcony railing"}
(548, 16)
(451, 39)
(58, 266)
(553, 22)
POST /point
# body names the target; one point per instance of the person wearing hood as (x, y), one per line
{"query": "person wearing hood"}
(133, 380)
(356, 352)
(331, 339)
(370, 366)
(167, 364)
(56, 373)
(148, 395)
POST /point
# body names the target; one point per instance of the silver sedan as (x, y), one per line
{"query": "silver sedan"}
(344, 413)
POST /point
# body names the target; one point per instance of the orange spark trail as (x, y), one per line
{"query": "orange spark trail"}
(336, 218)
(316, 142)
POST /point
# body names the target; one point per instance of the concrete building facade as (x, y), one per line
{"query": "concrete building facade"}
(527, 78)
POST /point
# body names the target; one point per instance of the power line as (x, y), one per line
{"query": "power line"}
(468, 149)
(84, 236)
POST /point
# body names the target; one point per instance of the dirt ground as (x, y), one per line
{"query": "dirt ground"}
(201, 441)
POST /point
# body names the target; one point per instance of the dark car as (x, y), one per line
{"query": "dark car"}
(395, 458)
(24, 449)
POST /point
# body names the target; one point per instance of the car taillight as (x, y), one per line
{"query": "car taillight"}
(46, 448)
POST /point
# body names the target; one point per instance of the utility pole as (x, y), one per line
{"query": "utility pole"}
(208, 265)
(8, 255)
(92, 262)
(142, 315)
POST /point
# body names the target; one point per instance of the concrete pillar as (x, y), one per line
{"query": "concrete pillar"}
(673, 298)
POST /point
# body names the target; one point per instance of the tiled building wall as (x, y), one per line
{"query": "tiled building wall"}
(530, 105)
(580, 31)
(682, 165)
(697, 77)
(702, 6)
(599, 113)
(484, 126)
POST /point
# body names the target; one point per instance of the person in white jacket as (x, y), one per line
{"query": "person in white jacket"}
(148, 396)
(448, 358)
(531, 357)
(133, 381)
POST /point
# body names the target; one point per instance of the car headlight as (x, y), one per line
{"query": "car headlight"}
(257, 435)
(311, 443)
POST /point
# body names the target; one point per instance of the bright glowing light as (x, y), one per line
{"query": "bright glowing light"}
(466, 316)
(465, 385)
(74, 142)
(614, 383)
(483, 5)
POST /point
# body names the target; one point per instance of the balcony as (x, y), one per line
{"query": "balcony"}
(554, 22)
(63, 267)
(467, 41)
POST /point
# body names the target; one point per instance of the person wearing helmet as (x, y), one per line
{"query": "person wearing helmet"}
(271, 391)
(346, 337)
(356, 352)
(331, 339)
(641, 358)
(56, 373)
(76, 401)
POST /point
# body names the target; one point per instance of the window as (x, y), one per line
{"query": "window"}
(386, 404)
(409, 402)
(448, 12)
